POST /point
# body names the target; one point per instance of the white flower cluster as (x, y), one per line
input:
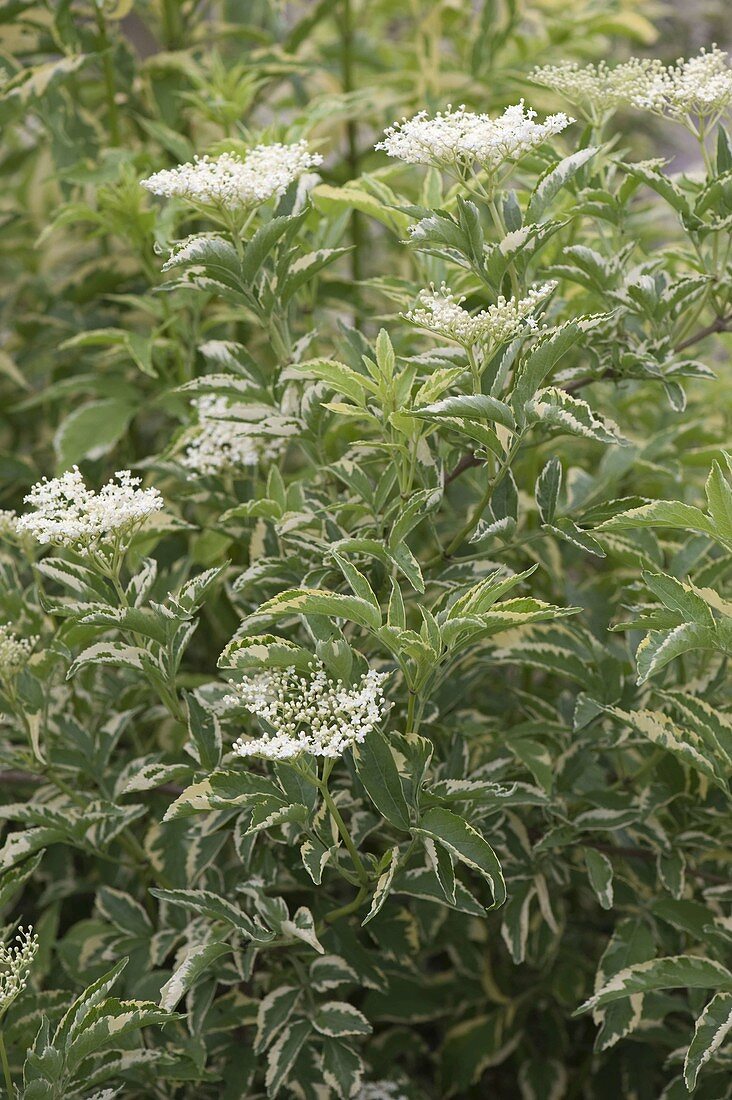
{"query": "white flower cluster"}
(68, 513)
(441, 312)
(380, 1090)
(459, 139)
(14, 651)
(310, 713)
(699, 87)
(221, 444)
(15, 964)
(232, 181)
(8, 523)
(599, 87)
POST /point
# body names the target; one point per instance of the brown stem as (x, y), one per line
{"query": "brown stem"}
(719, 324)
(467, 462)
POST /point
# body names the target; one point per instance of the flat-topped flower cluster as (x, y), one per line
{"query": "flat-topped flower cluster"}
(459, 139)
(232, 181)
(222, 444)
(68, 513)
(308, 714)
(15, 963)
(380, 1090)
(440, 311)
(14, 651)
(698, 87)
(600, 87)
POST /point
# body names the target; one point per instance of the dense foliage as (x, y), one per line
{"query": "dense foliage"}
(365, 561)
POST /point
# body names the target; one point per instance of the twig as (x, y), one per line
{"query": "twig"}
(467, 462)
(719, 324)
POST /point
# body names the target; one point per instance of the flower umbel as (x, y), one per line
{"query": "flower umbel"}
(459, 139)
(700, 87)
(220, 444)
(440, 311)
(14, 652)
(232, 181)
(68, 513)
(599, 89)
(309, 713)
(380, 1090)
(15, 964)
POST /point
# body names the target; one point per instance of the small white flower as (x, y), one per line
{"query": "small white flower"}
(700, 87)
(14, 652)
(308, 714)
(8, 523)
(459, 139)
(15, 964)
(221, 444)
(380, 1090)
(232, 181)
(599, 88)
(441, 312)
(68, 513)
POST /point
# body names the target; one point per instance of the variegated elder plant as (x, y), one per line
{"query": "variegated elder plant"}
(367, 732)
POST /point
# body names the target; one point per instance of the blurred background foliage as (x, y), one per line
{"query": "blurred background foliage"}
(94, 96)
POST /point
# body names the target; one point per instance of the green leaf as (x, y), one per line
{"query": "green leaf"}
(283, 1053)
(467, 845)
(91, 431)
(205, 730)
(674, 972)
(710, 1032)
(679, 597)
(719, 498)
(684, 743)
(548, 486)
(342, 1068)
(552, 183)
(470, 407)
(378, 772)
(338, 1018)
(383, 886)
(661, 513)
(196, 962)
(568, 531)
(558, 409)
(659, 647)
(124, 912)
(313, 601)
(600, 873)
(274, 1011)
(207, 904)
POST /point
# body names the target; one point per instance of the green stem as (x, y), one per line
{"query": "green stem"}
(411, 701)
(493, 483)
(334, 812)
(352, 158)
(105, 49)
(346, 910)
(6, 1068)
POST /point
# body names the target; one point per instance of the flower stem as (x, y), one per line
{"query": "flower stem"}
(105, 48)
(335, 813)
(9, 1087)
